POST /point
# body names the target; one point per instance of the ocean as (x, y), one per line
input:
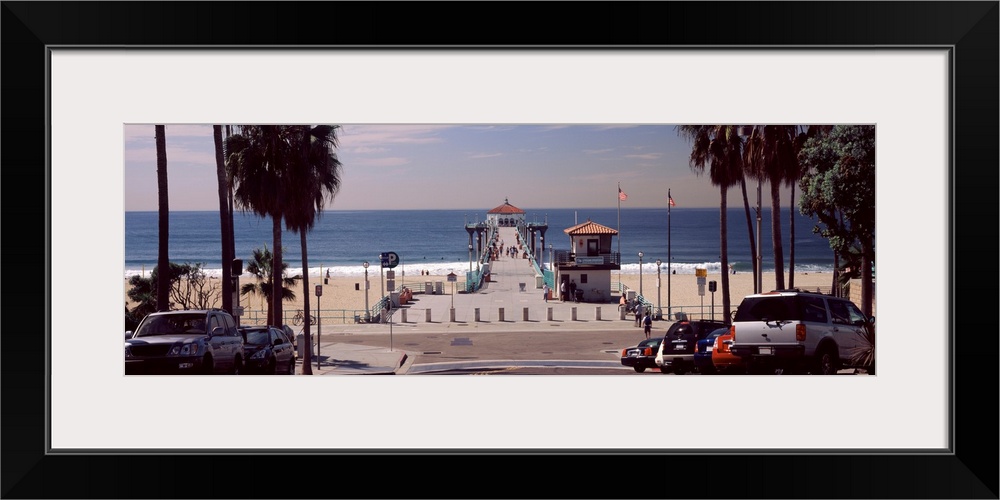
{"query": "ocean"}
(436, 240)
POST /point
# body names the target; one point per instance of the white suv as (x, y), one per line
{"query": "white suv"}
(799, 332)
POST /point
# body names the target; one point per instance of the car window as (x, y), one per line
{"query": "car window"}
(230, 325)
(773, 308)
(854, 314)
(813, 309)
(838, 313)
(256, 337)
(214, 324)
(172, 324)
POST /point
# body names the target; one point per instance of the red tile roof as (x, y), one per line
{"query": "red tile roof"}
(589, 227)
(506, 208)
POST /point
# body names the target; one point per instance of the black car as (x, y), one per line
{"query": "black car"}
(641, 356)
(197, 341)
(676, 354)
(268, 350)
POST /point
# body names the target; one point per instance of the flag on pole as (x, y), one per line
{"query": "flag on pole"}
(621, 195)
(671, 200)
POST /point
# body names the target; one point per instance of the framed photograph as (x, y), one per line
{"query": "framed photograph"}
(924, 73)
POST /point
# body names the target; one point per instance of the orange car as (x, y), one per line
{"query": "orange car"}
(723, 360)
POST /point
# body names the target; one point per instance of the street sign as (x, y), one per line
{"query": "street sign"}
(389, 260)
(701, 290)
(452, 277)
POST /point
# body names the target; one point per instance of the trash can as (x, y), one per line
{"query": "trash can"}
(428, 288)
(394, 298)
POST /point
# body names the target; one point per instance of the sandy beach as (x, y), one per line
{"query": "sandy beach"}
(340, 300)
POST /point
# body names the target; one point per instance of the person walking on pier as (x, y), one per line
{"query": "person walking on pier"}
(545, 291)
(562, 291)
(638, 313)
(572, 290)
(647, 324)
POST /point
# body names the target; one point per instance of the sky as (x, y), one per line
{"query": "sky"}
(466, 166)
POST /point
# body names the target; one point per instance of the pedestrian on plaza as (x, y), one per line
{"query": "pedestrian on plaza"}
(572, 290)
(647, 324)
(545, 291)
(638, 313)
(562, 291)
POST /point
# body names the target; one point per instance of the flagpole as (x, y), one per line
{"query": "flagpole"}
(619, 236)
(670, 260)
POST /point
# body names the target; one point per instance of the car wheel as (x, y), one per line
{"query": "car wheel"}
(272, 366)
(291, 366)
(665, 369)
(680, 371)
(826, 362)
(639, 369)
(237, 366)
(708, 370)
(207, 366)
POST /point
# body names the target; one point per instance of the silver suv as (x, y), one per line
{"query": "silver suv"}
(796, 331)
(198, 341)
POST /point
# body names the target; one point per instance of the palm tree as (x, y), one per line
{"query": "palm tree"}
(225, 219)
(721, 149)
(163, 257)
(770, 155)
(797, 172)
(260, 156)
(262, 267)
(314, 176)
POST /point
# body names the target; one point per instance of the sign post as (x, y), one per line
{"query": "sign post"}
(711, 288)
(319, 293)
(389, 260)
(701, 274)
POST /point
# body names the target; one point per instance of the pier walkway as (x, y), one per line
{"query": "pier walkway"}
(522, 311)
(502, 295)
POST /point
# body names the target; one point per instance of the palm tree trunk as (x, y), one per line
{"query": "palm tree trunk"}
(276, 318)
(724, 250)
(779, 258)
(225, 219)
(306, 337)
(753, 241)
(791, 239)
(163, 257)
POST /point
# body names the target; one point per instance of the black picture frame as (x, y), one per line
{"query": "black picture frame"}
(970, 29)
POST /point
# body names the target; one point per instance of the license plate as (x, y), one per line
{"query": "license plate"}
(711, 348)
(767, 350)
(680, 347)
(633, 354)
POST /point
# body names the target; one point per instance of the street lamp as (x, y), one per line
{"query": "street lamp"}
(658, 310)
(367, 314)
(470, 258)
(640, 272)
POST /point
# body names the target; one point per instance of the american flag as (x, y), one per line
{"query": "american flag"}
(671, 200)
(621, 195)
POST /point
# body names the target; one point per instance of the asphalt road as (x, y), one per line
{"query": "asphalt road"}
(554, 350)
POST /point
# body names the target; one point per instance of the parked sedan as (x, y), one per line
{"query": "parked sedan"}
(723, 360)
(704, 349)
(268, 350)
(641, 356)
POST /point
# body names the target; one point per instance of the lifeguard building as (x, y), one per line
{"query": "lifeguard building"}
(589, 261)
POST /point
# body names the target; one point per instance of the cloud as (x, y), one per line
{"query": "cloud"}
(388, 161)
(361, 136)
(647, 156)
(597, 151)
(478, 156)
